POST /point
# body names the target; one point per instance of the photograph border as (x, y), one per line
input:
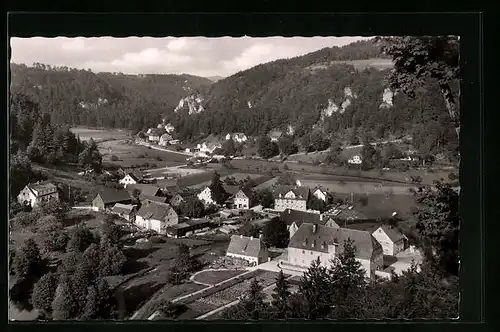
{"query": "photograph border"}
(472, 142)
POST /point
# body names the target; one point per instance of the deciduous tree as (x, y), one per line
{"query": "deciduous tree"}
(275, 233)
(44, 292)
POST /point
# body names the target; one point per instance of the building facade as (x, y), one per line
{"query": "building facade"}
(38, 193)
(250, 249)
(320, 194)
(206, 196)
(242, 199)
(391, 240)
(156, 217)
(295, 199)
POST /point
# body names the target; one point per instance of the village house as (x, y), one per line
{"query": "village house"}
(35, 193)
(293, 219)
(164, 139)
(275, 135)
(355, 160)
(107, 198)
(250, 249)
(169, 128)
(156, 216)
(205, 196)
(237, 137)
(156, 199)
(312, 241)
(131, 178)
(243, 199)
(154, 135)
(391, 239)
(320, 194)
(125, 211)
(210, 147)
(188, 227)
(291, 198)
(177, 200)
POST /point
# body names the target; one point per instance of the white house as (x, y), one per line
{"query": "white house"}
(169, 128)
(206, 196)
(156, 216)
(356, 160)
(320, 194)
(242, 199)
(291, 198)
(154, 135)
(174, 142)
(164, 139)
(36, 193)
(391, 239)
(131, 178)
(237, 137)
(209, 147)
(313, 241)
(250, 249)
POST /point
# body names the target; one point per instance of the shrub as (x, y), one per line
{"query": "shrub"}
(156, 239)
(114, 158)
(141, 156)
(159, 158)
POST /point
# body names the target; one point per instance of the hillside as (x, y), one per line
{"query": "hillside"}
(81, 97)
(339, 90)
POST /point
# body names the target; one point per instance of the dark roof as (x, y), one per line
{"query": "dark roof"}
(267, 183)
(110, 195)
(243, 245)
(290, 216)
(154, 199)
(362, 226)
(232, 190)
(189, 223)
(137, 176)
(300, 192)
(42, 186)
(153, 210)
(156, 132)
(145, 189)
(248, 192)
(393, 233)
(347, 214)
(306, 238)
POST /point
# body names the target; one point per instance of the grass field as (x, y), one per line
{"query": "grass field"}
(100, 134)
(214, 277)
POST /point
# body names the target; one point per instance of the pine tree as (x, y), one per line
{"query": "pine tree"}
(219, 195)
(315, 287)
(281, 296)
(64, 306)
(275, 233)
(28, 260)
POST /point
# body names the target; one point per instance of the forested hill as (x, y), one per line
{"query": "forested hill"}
(81, 97)
(339, 90)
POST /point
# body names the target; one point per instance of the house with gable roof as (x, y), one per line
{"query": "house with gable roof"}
(293, 219)
(107, 198)
(275, 135)
(250, 249)
(125, 211)
(164, 139)
(391, 239)
(295, 198)
(35, 193)
(132, 177)
(313, 241)
(243, 199)
(156, 216)
(320, 194)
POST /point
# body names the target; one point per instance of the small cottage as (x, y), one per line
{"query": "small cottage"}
(391, 239)
(242, 199)
(107, 198)
(250, 249)
(320, 194)
(133, 177)
(156, 216)
(206, 196)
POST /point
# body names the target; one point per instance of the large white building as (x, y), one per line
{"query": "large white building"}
(156, 216)
(36, 193)
(294, 198)
(311, 241)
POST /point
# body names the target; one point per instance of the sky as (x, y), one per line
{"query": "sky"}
(199, 56)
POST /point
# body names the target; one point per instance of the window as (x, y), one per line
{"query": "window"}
(303, 251)
(311, 252)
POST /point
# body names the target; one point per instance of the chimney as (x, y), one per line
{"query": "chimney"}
(315, 228)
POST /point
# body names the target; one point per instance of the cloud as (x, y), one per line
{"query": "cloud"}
(192, 55)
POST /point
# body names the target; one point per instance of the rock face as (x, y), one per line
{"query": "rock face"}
(329, 110)
(191, 103)
(387, 99)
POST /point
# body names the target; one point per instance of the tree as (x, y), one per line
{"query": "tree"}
(251, 306)
(28, 261)
(248, 229)
(44, 292)
(281, 296)
(80, 239)
(347, 277)
(315, 288)
(136, 194)
(170, 310)
(390, 151)
(369, 155)
(286, 179)
(112, 262)
(275, 233)
(70, 262)
(266, 198)
(229, 148)
(54, 237)
(100, 302)
(334, 153)
(55, 208)
(266, 148)
(90, 157)
(438, 222)
(420, 59)
(184, 263)
(219, 195)
(287, 145)
(64, 306)
(314, 203)
(112, 231)
(192, 207)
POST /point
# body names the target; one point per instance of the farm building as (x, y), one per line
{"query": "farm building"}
(250, 249)
(157, 199)
(391, 239)
(295, 198)
(131, 178)
(125, 211)
(164, 139)
(107, 198)
(320, 194)
(35, 193)
(312, 241)
(156, 216)
(187, 228)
